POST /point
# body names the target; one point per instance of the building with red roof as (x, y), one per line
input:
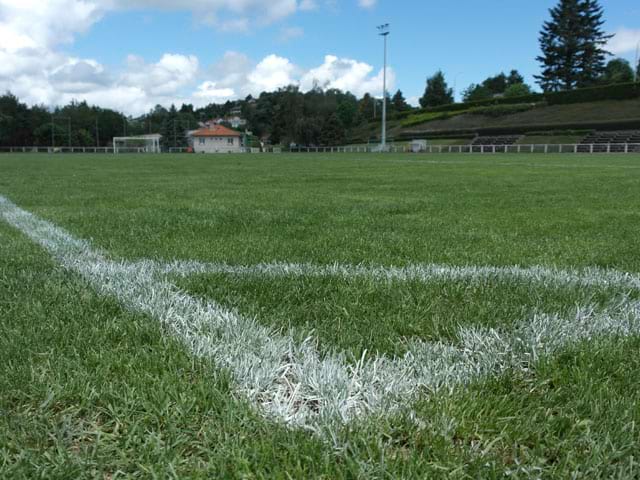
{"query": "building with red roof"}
(216, 139)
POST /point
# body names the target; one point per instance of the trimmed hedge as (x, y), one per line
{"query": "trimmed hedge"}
(622, 91)
(631, 124)
(502, 110)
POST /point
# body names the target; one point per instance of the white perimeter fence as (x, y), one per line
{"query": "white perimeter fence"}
(549, 148)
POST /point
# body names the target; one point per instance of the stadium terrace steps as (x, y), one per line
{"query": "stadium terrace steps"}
(610, 141)
(496, 140)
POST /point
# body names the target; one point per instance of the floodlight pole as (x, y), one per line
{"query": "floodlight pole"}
(636, 67)
(384, 32)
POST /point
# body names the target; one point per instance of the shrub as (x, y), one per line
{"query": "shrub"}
(502, 110)
(621, 91)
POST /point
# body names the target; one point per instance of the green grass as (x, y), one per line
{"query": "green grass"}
(358, 315)
(92, 390)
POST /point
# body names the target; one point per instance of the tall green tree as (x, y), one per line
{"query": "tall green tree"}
(517, 90)
(366, 107)
(572, 46)
(332, 131)
(514, 78)
(475, 93)
(173, 131)
(592, 55)
(437, 92)
(398, 102)
(617, 70)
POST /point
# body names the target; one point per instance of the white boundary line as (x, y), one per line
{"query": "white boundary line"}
(422, 273)
(295, 383)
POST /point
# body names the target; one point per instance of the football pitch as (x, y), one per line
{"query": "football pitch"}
(319, 316)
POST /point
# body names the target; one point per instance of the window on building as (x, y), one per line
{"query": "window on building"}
(230, 141)
(201, 141)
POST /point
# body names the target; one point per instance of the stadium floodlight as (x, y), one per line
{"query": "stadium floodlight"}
(636, 67)
(383, 31)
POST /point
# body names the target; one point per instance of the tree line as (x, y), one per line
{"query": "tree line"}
(573, 55)
(288, 115)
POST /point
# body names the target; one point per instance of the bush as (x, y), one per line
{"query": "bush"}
(621, 91)
(517, 90)
(424, 117)
(502, 110)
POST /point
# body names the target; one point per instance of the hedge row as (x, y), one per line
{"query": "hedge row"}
(631, 124)
(622, 91)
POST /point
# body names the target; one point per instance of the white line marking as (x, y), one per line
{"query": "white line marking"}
(422, 273)
(293, 382)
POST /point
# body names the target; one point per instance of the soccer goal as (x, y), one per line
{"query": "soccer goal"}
(139, 144)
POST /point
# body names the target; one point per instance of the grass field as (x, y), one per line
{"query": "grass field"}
(504, 289)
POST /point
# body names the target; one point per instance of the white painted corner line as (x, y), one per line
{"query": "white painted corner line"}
(293, 382)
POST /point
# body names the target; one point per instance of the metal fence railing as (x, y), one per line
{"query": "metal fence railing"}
(493, 149)
(545, 148)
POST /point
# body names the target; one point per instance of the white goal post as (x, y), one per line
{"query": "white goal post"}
(138, 144)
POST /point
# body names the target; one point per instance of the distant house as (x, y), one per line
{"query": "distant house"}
(216, 139)
(235, 121)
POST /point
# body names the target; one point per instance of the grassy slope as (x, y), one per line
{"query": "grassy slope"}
(611, 110)
(92, 389)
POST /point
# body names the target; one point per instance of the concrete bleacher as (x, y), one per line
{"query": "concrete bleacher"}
(610, 141)
(496, 140)
(497, 143)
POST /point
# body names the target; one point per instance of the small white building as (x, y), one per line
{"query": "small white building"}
(418, 146)
(217, 139)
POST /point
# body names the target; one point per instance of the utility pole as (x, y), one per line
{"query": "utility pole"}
(384, 32)
(97, 133)
(124, 125)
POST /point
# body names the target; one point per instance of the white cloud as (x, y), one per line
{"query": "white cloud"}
(34, 67)
(289, 33)
(209, 92)
(164, 78)
(347, 74)
(626, 40)
(271, 73)
(308, 5)
(367, 3)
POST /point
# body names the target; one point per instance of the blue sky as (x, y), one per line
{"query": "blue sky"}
(131, 55)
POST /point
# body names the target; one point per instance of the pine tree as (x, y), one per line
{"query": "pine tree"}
(437, 92)
(399, 103)
(592, 56)
(572, 45)
(514, 78)
(560, 43)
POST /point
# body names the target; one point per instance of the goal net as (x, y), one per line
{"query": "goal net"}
(139, 144)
